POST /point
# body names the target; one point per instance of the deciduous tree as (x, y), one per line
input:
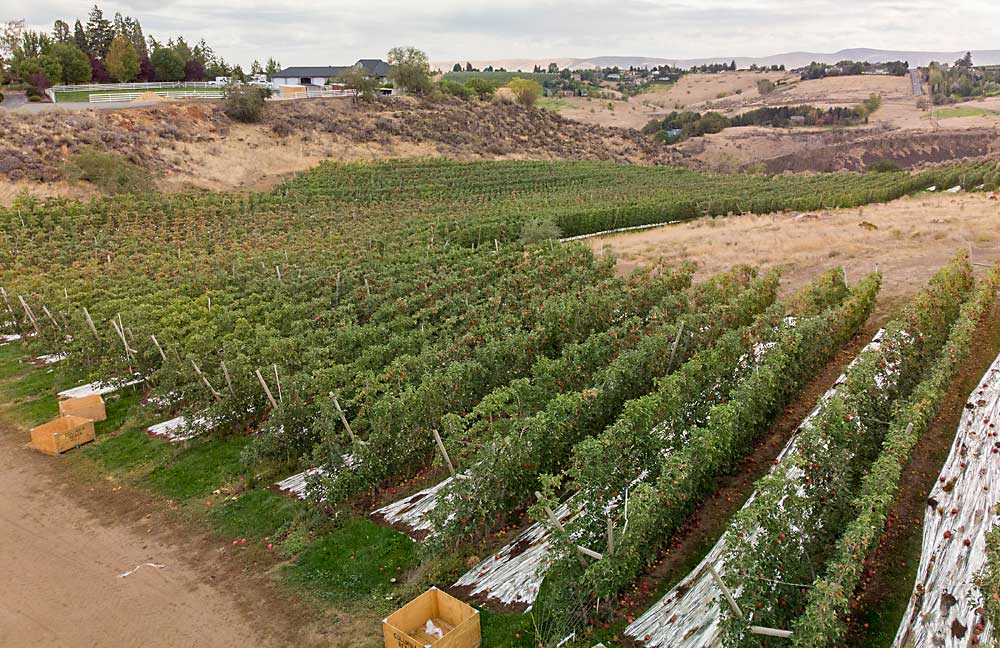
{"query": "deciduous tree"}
(122, 61)
(410, 69)
(194, 71)
(45, 64)
(10, 37)
(168, 64)
(483, 88)
(73, 61)
(525, 91)
(357, 79)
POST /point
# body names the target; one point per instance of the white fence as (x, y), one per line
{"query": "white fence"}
(318, 92)
(107, 97)
(133, 86)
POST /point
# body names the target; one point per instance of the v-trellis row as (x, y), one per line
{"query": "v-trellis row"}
(945, 608)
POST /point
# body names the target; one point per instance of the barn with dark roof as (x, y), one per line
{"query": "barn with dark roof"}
(325, 75)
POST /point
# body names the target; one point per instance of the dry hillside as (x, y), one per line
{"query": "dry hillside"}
(905, 129)
(196, 145)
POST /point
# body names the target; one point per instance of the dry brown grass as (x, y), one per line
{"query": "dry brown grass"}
(911, 238)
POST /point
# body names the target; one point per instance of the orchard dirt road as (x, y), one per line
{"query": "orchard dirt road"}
(64, 544)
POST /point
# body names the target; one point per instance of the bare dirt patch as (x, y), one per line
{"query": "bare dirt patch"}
(908, 239)
(66, 541)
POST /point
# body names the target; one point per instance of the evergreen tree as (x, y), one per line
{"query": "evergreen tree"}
(202, 53)
(60, 32)
(134, 32)
(217, 68)
(182, 48)
(255, 68)
(80, 37)
(100, 33)
(272, 68)
(457, 67)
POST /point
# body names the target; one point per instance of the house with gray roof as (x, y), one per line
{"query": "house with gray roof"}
(325, 75)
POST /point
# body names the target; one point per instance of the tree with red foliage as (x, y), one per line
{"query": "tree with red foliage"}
(194, 70)
(99, 72)
(146, 71)
(39, 81)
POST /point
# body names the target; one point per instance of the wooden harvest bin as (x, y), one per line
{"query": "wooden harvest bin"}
(406, 627)
(91, 407)
(62, 434)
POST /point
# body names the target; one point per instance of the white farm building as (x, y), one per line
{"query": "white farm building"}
(320, 76)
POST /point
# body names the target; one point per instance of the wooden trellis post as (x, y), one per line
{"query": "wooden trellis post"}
(31, 316)
(121, 333)
(158, 347)
(10, 308)
(444, 452)
(216, 394)
(343, 419)
(229, 382)
(93, 329)
(581, 551)
(673, 349)
(757, 630)
(54, 322)
(277, 381)
(267, 390)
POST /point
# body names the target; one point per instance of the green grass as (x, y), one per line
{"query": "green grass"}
(84, 95)
(256, 514)
(555, 104)
(502, 630)
(30, 384)
(34, 411)
(656, 86)
(499, 77)
(198, 470)
(127, 451)
(961, 111)
(356, 563)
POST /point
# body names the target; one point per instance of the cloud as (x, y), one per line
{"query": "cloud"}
(340, 32)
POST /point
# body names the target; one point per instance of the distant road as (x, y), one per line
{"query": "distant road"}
(917, 86)
(79, 105)
(13, 100)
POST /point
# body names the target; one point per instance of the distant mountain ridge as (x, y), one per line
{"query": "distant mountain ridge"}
(788, 59)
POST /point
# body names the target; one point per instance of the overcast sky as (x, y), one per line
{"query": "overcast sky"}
(324, 32)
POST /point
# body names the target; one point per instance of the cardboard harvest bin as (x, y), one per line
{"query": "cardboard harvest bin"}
(414, 624)
(91, 407)
(62, 434)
